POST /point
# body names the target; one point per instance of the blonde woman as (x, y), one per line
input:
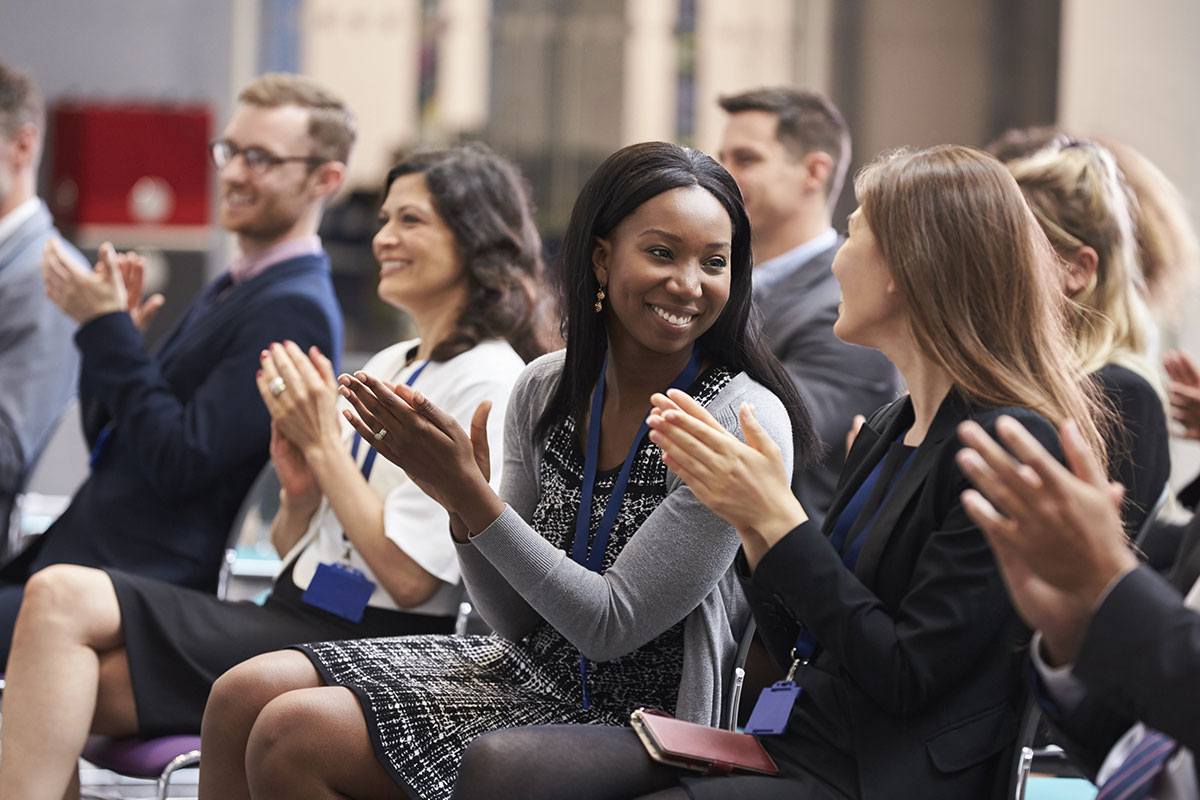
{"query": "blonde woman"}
(1080, 199)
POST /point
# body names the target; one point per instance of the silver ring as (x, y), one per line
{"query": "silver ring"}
(276, 386)
(382, 433)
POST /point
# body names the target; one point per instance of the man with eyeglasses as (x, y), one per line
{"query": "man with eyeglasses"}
(178, 436)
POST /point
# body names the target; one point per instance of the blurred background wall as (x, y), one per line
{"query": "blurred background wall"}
(559, 84)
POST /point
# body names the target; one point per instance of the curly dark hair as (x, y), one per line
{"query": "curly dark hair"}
(483, 199)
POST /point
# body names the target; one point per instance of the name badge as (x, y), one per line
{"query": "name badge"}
(339, 589)
(774, 706)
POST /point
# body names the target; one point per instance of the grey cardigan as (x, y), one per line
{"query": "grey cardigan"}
(678, 564)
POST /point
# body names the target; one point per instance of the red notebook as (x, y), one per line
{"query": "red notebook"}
(712, 751)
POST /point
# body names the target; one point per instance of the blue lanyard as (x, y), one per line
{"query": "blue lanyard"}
(583, 517)
(579, 547)
(806, 643)
(369, 462)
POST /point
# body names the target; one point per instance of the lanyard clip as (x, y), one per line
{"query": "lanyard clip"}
(797, 662)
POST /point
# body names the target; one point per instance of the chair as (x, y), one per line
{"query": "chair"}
(57, 472)
(159, 758)
(730, 721)
(1049, 759)
(1152, 515)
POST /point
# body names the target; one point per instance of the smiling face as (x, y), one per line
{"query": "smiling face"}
(666, 272)
(871, 313)
(264, 209)
(418, 258)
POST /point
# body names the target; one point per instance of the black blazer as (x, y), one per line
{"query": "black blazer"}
(916, 686)
(1140, 660)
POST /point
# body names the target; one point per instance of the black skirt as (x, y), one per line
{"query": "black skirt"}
(178, 641)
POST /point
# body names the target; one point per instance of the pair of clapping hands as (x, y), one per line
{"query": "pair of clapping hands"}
(115, 283)
(449, 464)
(1056, 531)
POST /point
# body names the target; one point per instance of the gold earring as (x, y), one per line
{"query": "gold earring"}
(600, 300)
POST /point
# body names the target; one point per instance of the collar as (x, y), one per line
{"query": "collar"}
(774, 268)
(244, 267)
(18, 217)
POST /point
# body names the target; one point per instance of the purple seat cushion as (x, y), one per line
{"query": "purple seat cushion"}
(141, 758)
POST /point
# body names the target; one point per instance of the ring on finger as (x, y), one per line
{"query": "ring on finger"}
(382, 433)
(276, 386)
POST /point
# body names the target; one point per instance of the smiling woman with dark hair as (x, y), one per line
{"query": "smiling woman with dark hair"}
(608, 583)
(892, 617)
(122, 654)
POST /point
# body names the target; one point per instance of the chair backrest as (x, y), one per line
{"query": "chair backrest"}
(1027, 728)
(1033, 754)
(63, 463)
(738, 678)
(1148, 523)
(255, 514)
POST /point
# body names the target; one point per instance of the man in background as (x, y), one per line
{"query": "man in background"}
(789, 149)
(38, 363)
(177, 437)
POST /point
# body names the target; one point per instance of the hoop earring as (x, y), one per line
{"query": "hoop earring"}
(599, 300)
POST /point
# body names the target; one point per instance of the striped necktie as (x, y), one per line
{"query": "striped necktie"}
(1133, 779)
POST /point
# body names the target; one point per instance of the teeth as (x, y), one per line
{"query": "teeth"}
(674, 319)
(388, 265)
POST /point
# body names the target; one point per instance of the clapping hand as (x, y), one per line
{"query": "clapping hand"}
(81, 293)
(1183, 390)
(296, 478)
(450, 465)
(745, 483)
(133, 273)
(298, 390)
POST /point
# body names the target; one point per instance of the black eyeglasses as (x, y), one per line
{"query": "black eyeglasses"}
(258, 160)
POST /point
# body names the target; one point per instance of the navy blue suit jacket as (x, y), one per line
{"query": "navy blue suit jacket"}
(189, 431)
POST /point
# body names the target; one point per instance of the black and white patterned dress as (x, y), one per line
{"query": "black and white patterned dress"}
(425, 698)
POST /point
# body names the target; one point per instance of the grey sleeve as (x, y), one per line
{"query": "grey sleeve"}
(672, 563)
(38, 368)
(497, 602)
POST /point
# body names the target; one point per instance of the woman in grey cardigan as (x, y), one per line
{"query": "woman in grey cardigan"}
(589, 569)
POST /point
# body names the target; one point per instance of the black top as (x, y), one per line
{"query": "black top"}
(1138, 454)
(917, 684)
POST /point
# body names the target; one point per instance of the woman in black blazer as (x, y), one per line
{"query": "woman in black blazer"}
(913, 684)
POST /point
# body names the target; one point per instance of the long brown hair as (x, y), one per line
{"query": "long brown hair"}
(980, 281)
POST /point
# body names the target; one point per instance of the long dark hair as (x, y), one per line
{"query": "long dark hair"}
(626, 180)
(484, 201)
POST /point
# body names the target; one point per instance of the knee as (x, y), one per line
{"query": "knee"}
(487, 764)
(57, 595)
(239, 695)
(286, 740)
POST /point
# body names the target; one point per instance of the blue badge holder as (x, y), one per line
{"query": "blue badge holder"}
(774, 707)
(339, 589)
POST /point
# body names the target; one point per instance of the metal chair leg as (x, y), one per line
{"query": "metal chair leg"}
(182, 761)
